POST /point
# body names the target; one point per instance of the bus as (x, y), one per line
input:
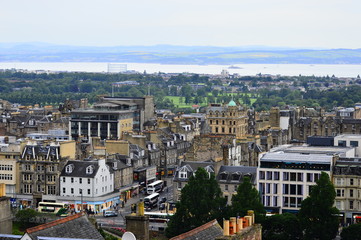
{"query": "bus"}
(155, 187)
(50, 207)
(158, 217)
(151, 201)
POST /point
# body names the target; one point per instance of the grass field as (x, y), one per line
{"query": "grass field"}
(179, 101)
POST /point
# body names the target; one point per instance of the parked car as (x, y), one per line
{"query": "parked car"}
(110, 214)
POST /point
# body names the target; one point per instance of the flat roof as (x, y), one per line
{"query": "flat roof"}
(297, 157)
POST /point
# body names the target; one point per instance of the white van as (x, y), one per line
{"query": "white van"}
(110, 214)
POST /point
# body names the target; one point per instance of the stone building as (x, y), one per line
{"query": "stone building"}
(228, 118)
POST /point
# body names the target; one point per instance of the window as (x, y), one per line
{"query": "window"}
(341, 143)
(338, 205)
(28, 188)
(88, 191)
(69, 168)
(269, 175)
(351, 193)
(89, 170)
(64, 179)
(351, 181)
(299, 190)
(276, 175)
(293, 176)
(80, 180)
(72, 180)
(285, 201)
(300, 177)
(51, 190)
(235, 188)
(179, 185)
(80, 191)
(268, 188)
(64, 190)
(354, 143)
(351, 204)
(285, 188)
(72, 190)
(261, 175)
(88, 180)
(27, 167)
(275, 201)
(317, 176)
(340, 192)
(293, 189)
(285, 176)
(226, 187)
(275, 188)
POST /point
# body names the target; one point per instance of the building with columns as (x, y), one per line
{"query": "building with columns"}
(105, 120)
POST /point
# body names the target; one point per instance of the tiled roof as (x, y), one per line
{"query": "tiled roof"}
(74, 226)
(208, 231)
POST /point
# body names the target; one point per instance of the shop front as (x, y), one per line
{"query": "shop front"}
(92, 205)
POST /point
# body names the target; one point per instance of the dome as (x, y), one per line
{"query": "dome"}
(232, 104)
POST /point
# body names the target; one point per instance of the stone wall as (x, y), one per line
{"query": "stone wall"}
(6, 224)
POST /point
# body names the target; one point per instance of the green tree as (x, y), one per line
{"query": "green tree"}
(352, 232)
(201, 201)
(25, 216)
(281, 227)
(317, 215)
(247, 198)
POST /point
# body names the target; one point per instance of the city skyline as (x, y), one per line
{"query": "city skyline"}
(277, 23)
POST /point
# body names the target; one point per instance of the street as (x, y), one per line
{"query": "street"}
(119, 221)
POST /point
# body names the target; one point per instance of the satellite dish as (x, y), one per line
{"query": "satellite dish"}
(128, 236)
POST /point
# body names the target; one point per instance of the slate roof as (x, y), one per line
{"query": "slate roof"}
(74, 226)
(79, 169)
(235, 174)
(9, 237)
(192, 167)
(208, 231)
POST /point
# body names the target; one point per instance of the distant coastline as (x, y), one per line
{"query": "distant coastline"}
(339, 70)
(179, 55)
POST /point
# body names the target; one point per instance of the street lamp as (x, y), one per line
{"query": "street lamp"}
(81, 198)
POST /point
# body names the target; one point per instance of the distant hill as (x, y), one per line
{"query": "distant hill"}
(170, 54)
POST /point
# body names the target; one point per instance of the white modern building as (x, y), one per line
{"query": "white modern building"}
(285, 179)
(349, 140)
(88, 185)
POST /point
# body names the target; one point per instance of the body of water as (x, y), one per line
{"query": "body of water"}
(339, 70)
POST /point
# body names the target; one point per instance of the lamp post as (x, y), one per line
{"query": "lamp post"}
(81, 199)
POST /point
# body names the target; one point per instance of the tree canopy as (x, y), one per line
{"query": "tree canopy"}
(281, 227)
(352, 232)
(201, 201)
(317, 215)
(247, 198)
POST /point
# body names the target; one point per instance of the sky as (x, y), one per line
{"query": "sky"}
(281, 23)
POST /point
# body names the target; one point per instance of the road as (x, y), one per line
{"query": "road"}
(119, 221)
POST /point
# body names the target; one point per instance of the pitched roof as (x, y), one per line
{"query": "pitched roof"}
(9, 237)
(79, 169)
(210, 230)
(74, 226)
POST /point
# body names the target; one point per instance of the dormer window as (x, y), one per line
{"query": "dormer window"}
(89, 170)
(183, 174)
(224, 176)
(69, 168)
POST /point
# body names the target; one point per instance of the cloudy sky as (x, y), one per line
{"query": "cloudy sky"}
(287, 23)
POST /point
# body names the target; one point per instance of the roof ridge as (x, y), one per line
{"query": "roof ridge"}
(54, 223)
